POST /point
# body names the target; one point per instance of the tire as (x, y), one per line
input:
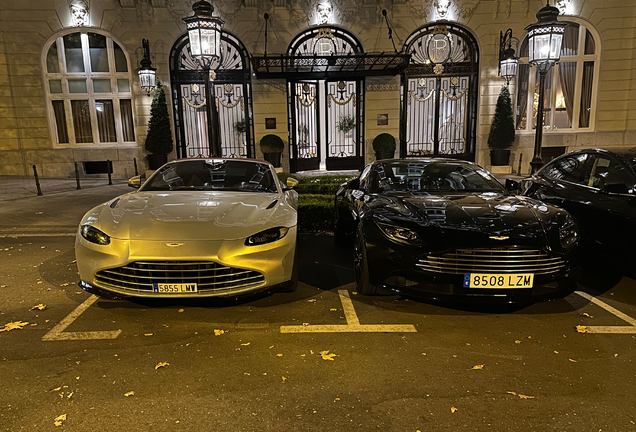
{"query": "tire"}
(361, 266)
(293, 286)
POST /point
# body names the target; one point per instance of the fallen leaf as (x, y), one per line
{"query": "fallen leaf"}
(423, 353)
(180, 310)
(130, 393)
(585, 314)
(453, 410)
(305, 324)
(284, 379)
(246, 344)
(38, 307)
(615, 355)
(219, 332)
(556, 352)
(573, 361)
(13, 325)
(512, 393)
(56, 389)
(525, 397)
(517, 341)
(279, 355)
(60, 419)
(65, 284)
(354, 293)
(68, 396)
(147, 334)
(476, 367)
(237, 349)
(333, 310)
(327, 356)
(581, 329)
(161, 364)
(312, 301)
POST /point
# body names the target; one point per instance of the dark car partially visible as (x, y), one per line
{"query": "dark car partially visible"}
(446, 229)
(598, 188)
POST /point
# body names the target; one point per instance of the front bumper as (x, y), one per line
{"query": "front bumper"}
(269, 265)
(395, 268)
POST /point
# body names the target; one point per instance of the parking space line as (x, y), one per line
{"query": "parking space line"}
(609, 329)
(57, 333)
(353, 323)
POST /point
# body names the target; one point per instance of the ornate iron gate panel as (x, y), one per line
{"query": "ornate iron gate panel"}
(420, 116)
(231, 99)
(342, 123)
(230, 105)
(304, 140)
(439, 99)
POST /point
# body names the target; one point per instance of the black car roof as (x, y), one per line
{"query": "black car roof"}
(626, 155)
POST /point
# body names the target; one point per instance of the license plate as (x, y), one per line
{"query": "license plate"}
(174, 288)
(494, 280)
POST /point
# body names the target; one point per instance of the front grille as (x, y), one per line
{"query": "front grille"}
(209, 276)
(500, 260)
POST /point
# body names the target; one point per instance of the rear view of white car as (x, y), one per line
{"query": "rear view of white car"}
(195, 228)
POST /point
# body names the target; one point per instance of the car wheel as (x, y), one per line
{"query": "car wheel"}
(293, 283)
(361, 266)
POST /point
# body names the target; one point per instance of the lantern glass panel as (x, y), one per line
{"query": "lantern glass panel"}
(195, 42)
(147, 79)
(542, 47)
(555, 46)
(208, 42)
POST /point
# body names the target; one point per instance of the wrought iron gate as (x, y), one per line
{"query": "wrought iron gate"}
(439, 98)
(304, 123)
(343, 121)
(230, 101)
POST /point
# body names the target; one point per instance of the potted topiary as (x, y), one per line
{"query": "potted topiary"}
(384, 146)
(159, 138)
(502, 130)
(272, 146)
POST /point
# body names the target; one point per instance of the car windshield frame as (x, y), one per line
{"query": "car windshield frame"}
(432, 176)
(221, 175)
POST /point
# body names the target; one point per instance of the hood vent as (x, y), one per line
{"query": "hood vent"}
(271, 205)
(114, 203)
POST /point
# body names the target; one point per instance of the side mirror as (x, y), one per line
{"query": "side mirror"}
(512, 185)
(135, 182)
(291, 182)
(615, 188)
(353, 183)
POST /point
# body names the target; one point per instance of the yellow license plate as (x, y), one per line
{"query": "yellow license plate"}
(494, 280)
(174, 288)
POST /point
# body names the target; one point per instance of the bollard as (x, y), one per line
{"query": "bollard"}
(37, 180)
(135, 164)
(77, 177)
(110, 170)
(520, 158)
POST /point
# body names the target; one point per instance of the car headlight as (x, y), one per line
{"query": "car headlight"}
(267, 236)
(94, 235)
(568, 235)
(399, 234)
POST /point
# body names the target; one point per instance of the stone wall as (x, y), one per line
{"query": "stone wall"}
(25, 28)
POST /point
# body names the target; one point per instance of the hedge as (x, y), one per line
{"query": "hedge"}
(315, 212)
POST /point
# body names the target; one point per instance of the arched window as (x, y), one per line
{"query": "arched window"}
(570, 90)
(88, 87)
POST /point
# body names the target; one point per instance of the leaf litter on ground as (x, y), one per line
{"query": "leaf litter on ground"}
(13, 325)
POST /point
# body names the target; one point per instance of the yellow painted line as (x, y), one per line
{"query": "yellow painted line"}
(347, 306)
(609, 329)
(57, 333)
(373, 328)
(353, 323)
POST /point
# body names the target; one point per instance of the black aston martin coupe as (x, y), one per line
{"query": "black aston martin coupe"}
(446, 229)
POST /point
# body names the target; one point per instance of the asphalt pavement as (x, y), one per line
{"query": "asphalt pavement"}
(322, 358)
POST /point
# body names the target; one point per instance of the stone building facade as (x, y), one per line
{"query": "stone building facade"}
(69, 91)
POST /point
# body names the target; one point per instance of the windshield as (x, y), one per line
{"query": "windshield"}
(433, 176)
(210, 174)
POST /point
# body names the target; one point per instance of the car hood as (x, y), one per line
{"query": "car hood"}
(490, 213)
(196, 215)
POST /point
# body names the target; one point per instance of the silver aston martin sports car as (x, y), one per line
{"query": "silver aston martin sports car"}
(195, 228)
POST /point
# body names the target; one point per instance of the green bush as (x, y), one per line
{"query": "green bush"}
(315, 212)
(272, 144)
(502, 128)
(159, 138)
(384, 143)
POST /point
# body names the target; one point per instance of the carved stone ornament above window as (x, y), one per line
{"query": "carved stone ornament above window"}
(80, 12)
